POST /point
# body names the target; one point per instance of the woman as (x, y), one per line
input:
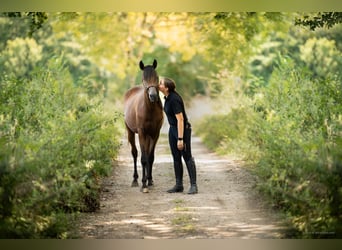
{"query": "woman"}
(179, 136)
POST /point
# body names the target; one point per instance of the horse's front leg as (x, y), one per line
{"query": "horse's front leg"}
(152, 147)
(147, 158)
(145, 167)
(149, 170)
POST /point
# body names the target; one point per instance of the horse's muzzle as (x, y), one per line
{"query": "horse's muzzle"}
(153, 97)
(152, 94)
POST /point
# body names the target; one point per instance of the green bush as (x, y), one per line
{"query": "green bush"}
(299, 135)
(20, 56)
(292, 137)
(228, 133)
(56, 144)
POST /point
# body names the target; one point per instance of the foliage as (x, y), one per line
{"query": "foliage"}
(35, 20)
(298, 136)
(293, 139)
(228, 133)
(20, 56)
(187, 74)
(319, 52)
(277, 86)
(322, 57)
(263, 61)
(57, 144)
(320, 20)
(289, 128)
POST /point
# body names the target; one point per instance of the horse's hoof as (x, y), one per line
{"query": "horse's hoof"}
(145, 190)
(135, 184)
(150, 183)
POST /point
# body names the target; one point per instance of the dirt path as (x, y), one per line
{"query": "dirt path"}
(227, 206)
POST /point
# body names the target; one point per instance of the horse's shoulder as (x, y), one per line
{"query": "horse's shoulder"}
(132, 91)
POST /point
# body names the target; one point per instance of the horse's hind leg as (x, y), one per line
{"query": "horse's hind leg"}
(134, 151)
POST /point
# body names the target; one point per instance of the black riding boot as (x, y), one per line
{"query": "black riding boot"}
(190, 164)
(178, 188)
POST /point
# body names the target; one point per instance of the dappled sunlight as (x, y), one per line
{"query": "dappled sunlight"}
(204, 208)
(260, 86)
(149, 227)
(225, 206)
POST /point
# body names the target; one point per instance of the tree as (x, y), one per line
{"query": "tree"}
(20, 56)
(36, 19)
(320, 20)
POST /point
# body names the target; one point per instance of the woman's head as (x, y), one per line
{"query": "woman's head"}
(167, 85)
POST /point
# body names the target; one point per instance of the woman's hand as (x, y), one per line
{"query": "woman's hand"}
(180, 145)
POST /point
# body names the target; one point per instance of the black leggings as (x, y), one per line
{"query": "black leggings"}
(173, 140)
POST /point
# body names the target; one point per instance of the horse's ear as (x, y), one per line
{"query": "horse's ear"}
(141, 65)
(154, 63)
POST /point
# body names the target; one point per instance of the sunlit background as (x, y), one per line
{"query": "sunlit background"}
(272, 80)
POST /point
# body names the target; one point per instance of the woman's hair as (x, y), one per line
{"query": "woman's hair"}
(169, 83)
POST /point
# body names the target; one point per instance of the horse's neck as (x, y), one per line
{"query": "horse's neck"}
(153, 109)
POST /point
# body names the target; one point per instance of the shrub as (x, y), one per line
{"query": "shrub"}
(298, 135)
(292, 138)
(57, 144)
(228, 133)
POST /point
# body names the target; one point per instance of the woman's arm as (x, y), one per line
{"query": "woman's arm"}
(180, 128)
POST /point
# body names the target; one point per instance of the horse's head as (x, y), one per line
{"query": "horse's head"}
(150, 80)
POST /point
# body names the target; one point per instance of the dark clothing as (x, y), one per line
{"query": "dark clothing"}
(173, 140)
(174, 105)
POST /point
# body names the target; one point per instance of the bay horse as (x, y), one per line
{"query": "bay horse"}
(144, 116)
